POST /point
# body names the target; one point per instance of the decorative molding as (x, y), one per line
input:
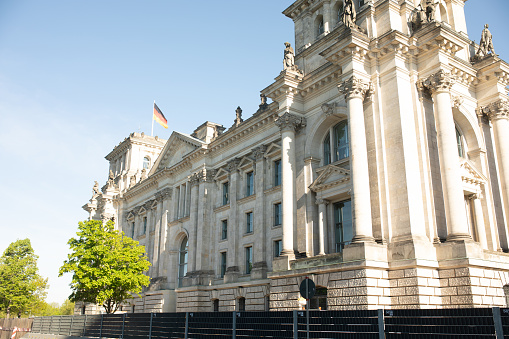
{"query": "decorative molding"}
(320, 201)
(457, 101)
(329, 109)
(356, 88)
(290, 122)
(233, 165)
(496, 110)
(259, 152)
(438, 82)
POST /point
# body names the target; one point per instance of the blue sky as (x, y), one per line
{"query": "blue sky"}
(76, 77)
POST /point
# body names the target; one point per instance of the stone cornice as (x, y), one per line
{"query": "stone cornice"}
(286, 84)
(136, 139)
(438, 82)
(290, 122)
(351, 44)
(140, 188)
(493, 69)
(298, 7)
(355, 88)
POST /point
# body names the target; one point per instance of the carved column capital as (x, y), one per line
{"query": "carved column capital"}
(259, 151)
(440, 81)
(355, 88)
(164, 194)
(290, 122)
(194, 179)
(208, 176)
(496, 110)
(320, 201)
(232, 165)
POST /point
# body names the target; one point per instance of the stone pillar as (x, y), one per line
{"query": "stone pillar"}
(262, 227)
(327, 18)
(439, 84)
(479, 220)
(165, 197)
(234, 232)
(322, 224)
(498, 112)
(355, 90)
(289, 124)
(157, 219)
(193, 232)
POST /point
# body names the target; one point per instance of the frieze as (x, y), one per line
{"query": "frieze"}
(356, 88)
(290, 122)
(164, 194)
(440, 81)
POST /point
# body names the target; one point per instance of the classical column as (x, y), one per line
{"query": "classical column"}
(479, 220)
(165, 196)
(288, 124)
(193, 220)
(262, 228)
(498, 112)
(439, 84)
(234, 232)
(322, 224)
(327, 18)
(355, 90)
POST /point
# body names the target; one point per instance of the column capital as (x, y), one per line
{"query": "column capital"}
(496, 110)
(232, 165)
(258, 152)
(164, 194)
(356, 88)
(290, 122)
(440, 81)
(320, 201)
(194, 179)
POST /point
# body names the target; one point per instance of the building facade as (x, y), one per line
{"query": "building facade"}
(380, 170)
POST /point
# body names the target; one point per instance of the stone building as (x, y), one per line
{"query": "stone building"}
(380, 169)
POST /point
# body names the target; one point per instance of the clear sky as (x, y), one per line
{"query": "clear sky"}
(76, 77)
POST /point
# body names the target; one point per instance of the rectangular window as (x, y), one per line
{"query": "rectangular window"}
(249, 184)
(278, 247)
(223, 264)
(224, 229)
(343, 224)
(144, 225)
(278, 214)
(249, 222)
(277, 172)
(133, 224)
(249, 259)
(226, 193)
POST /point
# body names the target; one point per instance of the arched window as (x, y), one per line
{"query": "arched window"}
(338, 10)
(337, 141)
(459, 141)
(146, 163)
(182, 261)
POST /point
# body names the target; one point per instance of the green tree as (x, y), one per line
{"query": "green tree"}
(22, 289)
(67, 308)
(107, 266)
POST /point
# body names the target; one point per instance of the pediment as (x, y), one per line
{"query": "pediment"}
(175, 150)
(246, 162)
(154, 204)
(329, 176)
(272, 150)
(142, 210)
(130, 216)
(470, 174)
(221, 174)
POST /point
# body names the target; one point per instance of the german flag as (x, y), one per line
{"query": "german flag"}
(159, 117)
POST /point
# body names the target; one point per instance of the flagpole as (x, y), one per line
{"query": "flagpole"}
(152, 134)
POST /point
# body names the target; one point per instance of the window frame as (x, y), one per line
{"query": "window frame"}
(224, 229)
(332, 145)
(226, 193)
(250, 183)
(277, 248)
(223, 263)
(248, 253)
(277, 172)
(249, 222)
(278, 217)
(183, 258)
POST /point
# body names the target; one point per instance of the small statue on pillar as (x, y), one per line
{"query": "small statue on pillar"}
(263, 105)
(289, 57)
(95, 189)
(349, 14)
(430, 10)
(238, 116)
(485, 45)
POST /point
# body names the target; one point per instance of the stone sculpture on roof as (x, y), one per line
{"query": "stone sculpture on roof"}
(430, 10)
(238, 116)
(349, 15)
(96, 188)
(289, 57)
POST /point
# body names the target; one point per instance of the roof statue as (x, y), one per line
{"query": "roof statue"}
(289, 57)
(238, 116)
(95, 188)
(263, 105)
(349, 15)
(429, 8)
(485, 45)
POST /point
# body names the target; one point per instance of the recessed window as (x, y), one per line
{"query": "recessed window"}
(278, 248)
(215, 303)
(224, 229)
(459, 141)
(277, 172)
(320, 28)
(223, 264)
(182, 261)
(336, 140)
(242, 304)
(278, 213)
(144, 225)
(226, 193)
(319, 300)
(249, 222)
(146, 163)
(249, 259)
(249, 184)
(343, 224)
(133, 229)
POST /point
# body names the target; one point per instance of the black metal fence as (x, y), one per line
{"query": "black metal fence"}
(439, 323)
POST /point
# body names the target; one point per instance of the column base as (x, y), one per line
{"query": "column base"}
(259, 270)
(282, 263)
(231, 275)
(362, 238)
(459, 237)
(365, 251)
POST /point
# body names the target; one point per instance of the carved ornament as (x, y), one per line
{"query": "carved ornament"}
(457, 101)
(329, 109)
(258, 152)
(497, 110)
(320, 201)
(233, 165)
(356, 88)
(290, 122)
(438, 82)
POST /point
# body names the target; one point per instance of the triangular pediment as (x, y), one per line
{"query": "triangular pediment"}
(142, 210)
(272, 150)
(246, 162)
(154, 204)
(221, 174)
(330, 176)
(130, 216)
(175, 150)
(470, 174)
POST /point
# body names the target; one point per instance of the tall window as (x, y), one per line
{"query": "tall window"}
(277, 214)
(146, 163)
(277, 172)
(215, 305)
(182, 261)
(459, 141)
(224, 229)
(336, 141)
(343, 224)
(249, 222)
(249, 184)
(223, 264)
(320, 28)
(133, 229)
(144, 225)
(249, 259)
(242, 304)
(226, 193)
(278, 247)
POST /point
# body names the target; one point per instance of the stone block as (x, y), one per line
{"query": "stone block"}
(383, 283)
(355, 291)
(397, 291)
(444, 282)
(432, 282)
(407, 300)
(462, 290)
(496, 283)
(449, 291)
(357, 282)
(461, 300)
(407, 282)
(446, 273)
(489, 274)
(396, 274)
(410, 272)
(485, 282)
(335, 293)
(461, 272)
(384, 300)
(459, 281)
(476, 272)
(341, 283)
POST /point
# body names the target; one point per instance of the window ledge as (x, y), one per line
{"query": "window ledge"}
(247, 199)
(272, 189)
(222, 208)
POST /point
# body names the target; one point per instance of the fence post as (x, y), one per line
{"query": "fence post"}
(187, 326)
(381, 324)
(295, 325)
(123, 322)
(497, 319)
(101, 328)
(234, 325)
(150, 327)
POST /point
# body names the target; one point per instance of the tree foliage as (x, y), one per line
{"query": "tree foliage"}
(45, 309)
(22, 289)
(107, 266)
